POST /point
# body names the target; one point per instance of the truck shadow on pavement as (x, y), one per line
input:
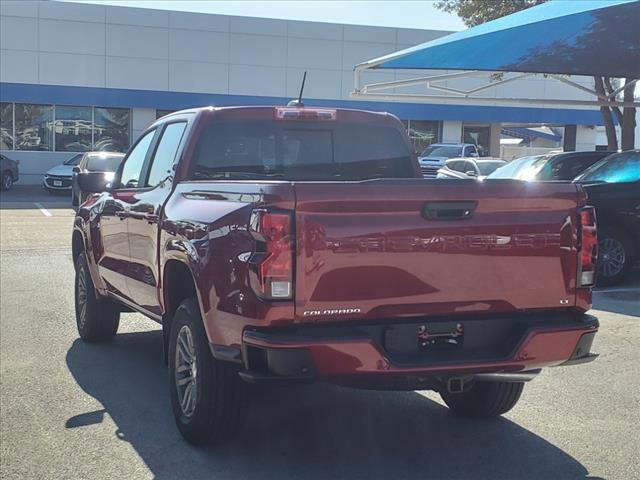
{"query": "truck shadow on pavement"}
(623, 299)
(312, 431)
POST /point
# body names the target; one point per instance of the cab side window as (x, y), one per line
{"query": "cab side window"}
(134, 163)
(165, 156)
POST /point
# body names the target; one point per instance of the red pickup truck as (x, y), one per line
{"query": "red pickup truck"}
(292, 244)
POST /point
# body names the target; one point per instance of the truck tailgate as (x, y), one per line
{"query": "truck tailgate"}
(384, 248)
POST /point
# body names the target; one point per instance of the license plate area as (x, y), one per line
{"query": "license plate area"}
(424, 338)
(57, 183)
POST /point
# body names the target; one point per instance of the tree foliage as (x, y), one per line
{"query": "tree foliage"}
(475, 12)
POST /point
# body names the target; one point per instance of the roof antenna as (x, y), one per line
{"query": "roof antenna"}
(298, 102)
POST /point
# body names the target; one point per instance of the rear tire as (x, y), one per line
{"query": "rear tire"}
(615, 252)
(97, 318)
(484, 400)
(207, 396)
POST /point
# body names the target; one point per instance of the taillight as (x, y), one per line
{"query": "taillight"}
(588, 247)
(274, 261)
(295, 113)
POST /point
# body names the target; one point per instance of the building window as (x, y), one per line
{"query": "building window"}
(422, 133)
(111, 129)
(162, 113)
(6, 126)
(33, 125)
(73, 129)
(479, 135)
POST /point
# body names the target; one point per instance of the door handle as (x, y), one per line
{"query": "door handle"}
(448, 210)
(149, 217)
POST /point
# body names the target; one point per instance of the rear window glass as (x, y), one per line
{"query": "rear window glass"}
(524, 168)
(488, 167)
(618, 168)
(301, 151)
(104, 163)
(441, 151)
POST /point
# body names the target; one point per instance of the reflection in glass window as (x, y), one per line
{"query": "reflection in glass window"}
(422, 133)
(73, 129)
(162, 166)
(6, 126)
(616, 168)
(479, 136)
(111, 129)
(34, 126)
(132, 169)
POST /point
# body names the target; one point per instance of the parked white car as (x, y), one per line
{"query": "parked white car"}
(433, 157)
(477, 168)
(58, 178)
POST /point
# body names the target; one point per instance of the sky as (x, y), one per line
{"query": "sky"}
(400, 13)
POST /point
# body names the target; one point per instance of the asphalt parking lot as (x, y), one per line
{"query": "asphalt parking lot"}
(72, 410)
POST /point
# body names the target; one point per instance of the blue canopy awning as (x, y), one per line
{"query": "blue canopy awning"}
(585, 37)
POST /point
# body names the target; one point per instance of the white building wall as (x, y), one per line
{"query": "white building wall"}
(451, 132)
(494, 139)
(585, 137)
(47, 42)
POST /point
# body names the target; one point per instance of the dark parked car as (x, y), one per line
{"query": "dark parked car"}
(105, 162)
(9, 171)
(469, 168)
(558, 166)
(58, 178)
(279, 245)
(613, 186)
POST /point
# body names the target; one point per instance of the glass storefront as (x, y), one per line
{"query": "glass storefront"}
(479, 135)
(162, 113)
(63, 128)
(73, 129)
(423, 132)
(111, 129)
(33, 127)
(6, 126)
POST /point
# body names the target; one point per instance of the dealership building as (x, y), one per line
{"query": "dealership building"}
(78, 77)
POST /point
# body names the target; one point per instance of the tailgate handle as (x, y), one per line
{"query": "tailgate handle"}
(448, 210)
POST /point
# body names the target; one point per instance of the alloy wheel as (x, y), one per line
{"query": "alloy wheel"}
(611, 257)
(81, 296)
(186, 370)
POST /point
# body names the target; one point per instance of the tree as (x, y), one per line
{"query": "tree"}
(476, 12)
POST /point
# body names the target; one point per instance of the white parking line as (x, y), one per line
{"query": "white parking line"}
(44, 211)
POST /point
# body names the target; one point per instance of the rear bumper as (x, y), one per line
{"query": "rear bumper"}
(358, 354)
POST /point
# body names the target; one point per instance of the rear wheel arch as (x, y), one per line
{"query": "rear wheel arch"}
(77, 245)
(178, 284)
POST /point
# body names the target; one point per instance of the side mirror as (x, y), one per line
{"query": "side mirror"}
(95, 182)
(471, 173)
(75, 169)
